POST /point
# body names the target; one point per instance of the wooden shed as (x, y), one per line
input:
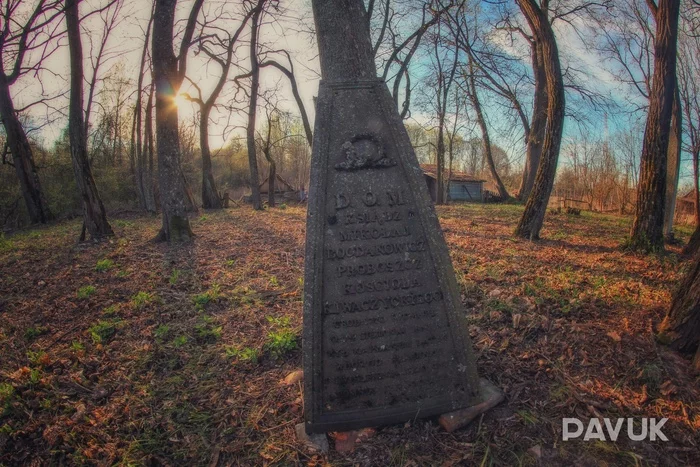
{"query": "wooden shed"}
(281, 186)
(685, 208)
(463, 187)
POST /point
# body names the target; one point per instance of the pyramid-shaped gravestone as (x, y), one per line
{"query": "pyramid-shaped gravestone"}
(385, 337)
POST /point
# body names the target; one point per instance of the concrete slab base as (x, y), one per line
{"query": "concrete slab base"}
(318, 442)
(491, 397)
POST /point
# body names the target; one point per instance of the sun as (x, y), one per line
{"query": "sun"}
(180, 100)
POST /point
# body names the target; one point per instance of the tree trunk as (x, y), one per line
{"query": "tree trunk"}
(696, 184)
(94, 216)
(533, 216)
(486, 140)
(673, 168)
(22, 158)
(681, 327)
(440, 161)
(271, 181)
(210, 196)
(535, 138)
(137, 137)
(693, 246)
(146, 166)
(647, 229)
(252, 107)
(176, 225)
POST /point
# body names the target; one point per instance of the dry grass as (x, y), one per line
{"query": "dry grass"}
(133, 353)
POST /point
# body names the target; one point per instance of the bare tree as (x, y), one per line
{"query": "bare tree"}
(169, 71)
(486, 140)
(253, 103)
(629, 38)
(647, 228)
(24, 31)
(94, 215)
(140, 152)
(208, 43)
(689, 89)
(533, 216)
(288, 71)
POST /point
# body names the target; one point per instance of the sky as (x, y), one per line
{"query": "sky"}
(291, 29)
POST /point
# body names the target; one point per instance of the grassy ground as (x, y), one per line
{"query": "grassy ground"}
(135, 353)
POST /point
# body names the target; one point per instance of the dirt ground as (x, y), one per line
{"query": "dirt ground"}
(135, 353)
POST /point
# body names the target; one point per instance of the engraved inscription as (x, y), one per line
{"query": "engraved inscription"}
(384, 342)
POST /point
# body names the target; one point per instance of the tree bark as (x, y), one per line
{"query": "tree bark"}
(168, 79)
(271, 181)
(681, 327)
(137, 137)
(533, 216)
(485, 139)
(535, 138)
(252, 107)
(647, 229)
(673, 168)
(146, 166)
(210, 196)
(22, 158)
(94, 215)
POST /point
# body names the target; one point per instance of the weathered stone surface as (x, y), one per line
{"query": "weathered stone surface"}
(385, 338)
(318, 442)
(491, 396)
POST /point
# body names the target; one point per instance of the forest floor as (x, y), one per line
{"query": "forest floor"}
(135, 353)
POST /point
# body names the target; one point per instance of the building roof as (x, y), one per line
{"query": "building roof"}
(430, 170)
(281, 185)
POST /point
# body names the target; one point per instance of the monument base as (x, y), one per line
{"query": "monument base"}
(491, 396)
(318, 442)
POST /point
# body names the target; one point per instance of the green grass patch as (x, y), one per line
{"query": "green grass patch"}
(179, 341)
(103, 331)
(211, 295)
(244, 354)
(5, 244)
(141, 299)
(110, 311)
(104, 265)
(33, 332)
(122, 223)
(207, 330)
(174, 276)
(77, 346)
(86, 292)
(37, 357)
(161, 331)
(281, 342)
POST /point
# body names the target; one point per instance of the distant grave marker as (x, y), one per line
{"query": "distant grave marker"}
(385, 337)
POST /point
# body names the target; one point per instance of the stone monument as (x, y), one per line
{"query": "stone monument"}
(385, 337)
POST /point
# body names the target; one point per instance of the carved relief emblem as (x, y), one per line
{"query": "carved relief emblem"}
(364, 151)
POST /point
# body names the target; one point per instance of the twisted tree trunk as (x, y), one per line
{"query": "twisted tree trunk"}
(647, 228)
(535, 138)
(533, 216)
